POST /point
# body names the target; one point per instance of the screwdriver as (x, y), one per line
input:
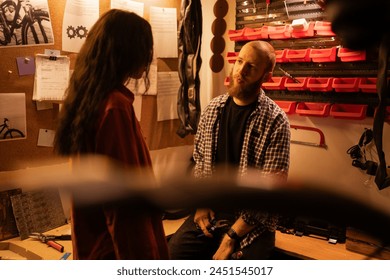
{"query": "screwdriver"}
(267, 2)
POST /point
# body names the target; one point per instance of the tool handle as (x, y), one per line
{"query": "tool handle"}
(55, 245)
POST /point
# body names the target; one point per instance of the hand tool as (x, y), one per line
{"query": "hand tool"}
(216, 225)
(285, 73)
(254, 6)
(321, 143)
(65, 256)
(267, 2)
(285, 5)
(49, 240)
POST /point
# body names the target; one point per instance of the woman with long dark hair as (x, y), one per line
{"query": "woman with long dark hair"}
(98, 118)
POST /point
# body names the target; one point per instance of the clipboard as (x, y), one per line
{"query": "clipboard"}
(51, 77)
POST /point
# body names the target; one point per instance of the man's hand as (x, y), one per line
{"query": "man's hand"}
(225, 249)
(202, 219)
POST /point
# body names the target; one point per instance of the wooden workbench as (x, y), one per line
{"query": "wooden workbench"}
(31, 249)
(305, 247)
(299, 247)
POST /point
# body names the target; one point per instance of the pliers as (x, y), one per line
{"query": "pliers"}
(49, 240)
(216, 225)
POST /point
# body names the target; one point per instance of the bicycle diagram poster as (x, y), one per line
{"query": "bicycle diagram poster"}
(12, 115)
(25, 23)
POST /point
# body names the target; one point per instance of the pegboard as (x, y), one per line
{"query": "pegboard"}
(254, 15)
(20, 154)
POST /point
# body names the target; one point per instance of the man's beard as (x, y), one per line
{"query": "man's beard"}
(244, 91)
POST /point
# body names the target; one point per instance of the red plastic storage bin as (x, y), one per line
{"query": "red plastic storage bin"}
(323, 28)
(367, 85)
(279, 32)
(231, 57)
(320, 84)
(275, 83)
(301, 55)
(348, 111)
(323, 55)
(347, 55)
(303, 33)
(287, 106)
(313, 109)
(256, 33)
(281, 56)
(237, 35)
(226, 82)
(292, 85)
(345, 84)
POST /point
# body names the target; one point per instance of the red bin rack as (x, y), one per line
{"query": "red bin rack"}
(275, 83)
(236, 35)
(226, 82)
(279, 32)
(298, 55)
(304, 32)
(320, 84)
(346, 84)
(313, 109)
(347, 55)
(348, 111)
(287, 106)
(231, 57)
(292, 85)
(323, 28)
(367, 85)
(256, 33)
(323, 55)
(281, 56)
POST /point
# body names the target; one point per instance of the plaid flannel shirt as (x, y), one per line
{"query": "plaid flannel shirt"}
(266, 147)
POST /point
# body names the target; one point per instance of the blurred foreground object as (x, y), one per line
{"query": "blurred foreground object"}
(359, 24)
(351, 21)
(96, 179)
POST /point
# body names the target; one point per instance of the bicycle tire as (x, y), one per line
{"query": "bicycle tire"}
(29, 29)
(3, 39)
(13, 133)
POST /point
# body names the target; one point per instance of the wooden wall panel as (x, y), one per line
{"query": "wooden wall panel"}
(25, 153)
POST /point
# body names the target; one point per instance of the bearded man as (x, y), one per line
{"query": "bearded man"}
(242, 129)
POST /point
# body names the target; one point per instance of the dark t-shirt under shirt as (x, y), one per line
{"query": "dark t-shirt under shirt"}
(231, 132)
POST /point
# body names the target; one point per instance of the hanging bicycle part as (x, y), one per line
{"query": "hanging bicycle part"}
(320, 144)
(190, 37)
(382, 179)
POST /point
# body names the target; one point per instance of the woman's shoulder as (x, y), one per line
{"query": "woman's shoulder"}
(120, 98)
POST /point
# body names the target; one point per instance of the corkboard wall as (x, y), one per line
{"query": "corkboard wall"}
(25, 153)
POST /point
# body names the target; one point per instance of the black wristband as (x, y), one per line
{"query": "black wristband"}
(233, 234)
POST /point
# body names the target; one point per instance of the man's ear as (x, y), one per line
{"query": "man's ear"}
(267, 76)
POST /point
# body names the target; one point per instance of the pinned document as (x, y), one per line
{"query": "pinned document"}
(51, 77)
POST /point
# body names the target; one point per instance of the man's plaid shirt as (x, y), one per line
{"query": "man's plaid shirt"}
(266, 147)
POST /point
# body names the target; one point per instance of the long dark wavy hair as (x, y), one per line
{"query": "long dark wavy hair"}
(118, 45)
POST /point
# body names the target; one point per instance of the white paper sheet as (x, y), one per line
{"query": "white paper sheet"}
(128, 5)
(168, 87)
(51, 77)
(46, 137)
(79, 16)
(164, 27)
(138, 86)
